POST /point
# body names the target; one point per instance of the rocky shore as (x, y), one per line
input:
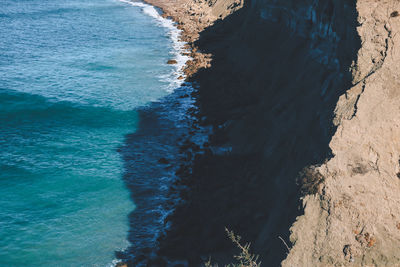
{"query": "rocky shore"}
(302, 97)
(192, 17)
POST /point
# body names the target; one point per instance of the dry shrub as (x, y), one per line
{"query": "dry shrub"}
(244, 259)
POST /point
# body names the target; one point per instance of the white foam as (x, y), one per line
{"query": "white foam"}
(174, 34)
(113, 263)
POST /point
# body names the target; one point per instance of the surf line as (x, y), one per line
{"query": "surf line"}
(179, 50)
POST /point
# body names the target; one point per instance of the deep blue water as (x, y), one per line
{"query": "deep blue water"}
(72, 75)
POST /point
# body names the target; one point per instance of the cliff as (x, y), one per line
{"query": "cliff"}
(354, 219)
(302, 96)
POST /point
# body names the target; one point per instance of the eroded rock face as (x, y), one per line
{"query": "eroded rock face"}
(270, 94)
(353, 220)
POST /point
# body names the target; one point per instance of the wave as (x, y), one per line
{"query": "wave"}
(50, 10)
(178, 45)
(29, 108)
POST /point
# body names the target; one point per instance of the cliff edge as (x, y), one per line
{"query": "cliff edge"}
(354, 218)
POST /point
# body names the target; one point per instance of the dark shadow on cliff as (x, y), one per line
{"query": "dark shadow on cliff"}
(270, 96)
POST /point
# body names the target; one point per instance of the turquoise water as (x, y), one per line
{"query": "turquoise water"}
(72, 73)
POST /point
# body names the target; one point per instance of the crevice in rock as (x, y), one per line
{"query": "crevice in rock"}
(358, 98)
(380, 63)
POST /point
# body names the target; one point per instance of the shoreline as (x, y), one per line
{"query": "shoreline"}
(187, 64)
(191, 19)
(179, 46)
(173, 11)
(189, 27)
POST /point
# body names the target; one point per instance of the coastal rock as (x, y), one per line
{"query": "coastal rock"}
(163, 161)
(156, 262)
(192, 17)
(172, 61)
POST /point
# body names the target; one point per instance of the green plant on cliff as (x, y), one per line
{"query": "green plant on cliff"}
(244, 259)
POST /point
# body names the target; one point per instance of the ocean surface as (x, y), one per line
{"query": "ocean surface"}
(73, 76)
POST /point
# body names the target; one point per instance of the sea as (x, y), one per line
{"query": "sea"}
(88, 106)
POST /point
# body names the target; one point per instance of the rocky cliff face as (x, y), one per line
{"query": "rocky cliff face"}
(354, 218)
(303, 99)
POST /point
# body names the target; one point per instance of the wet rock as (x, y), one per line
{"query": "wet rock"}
(172, 61)
(156, 262)
(163, 161)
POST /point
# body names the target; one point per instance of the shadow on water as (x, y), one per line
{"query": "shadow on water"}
(151, 156)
